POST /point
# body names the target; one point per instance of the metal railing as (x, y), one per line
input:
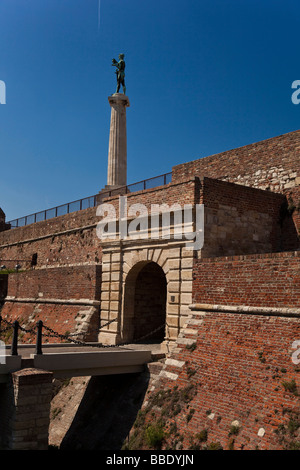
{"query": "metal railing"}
(91, 201)
(37, 330)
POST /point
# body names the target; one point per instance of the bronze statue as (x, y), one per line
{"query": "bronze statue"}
(120, 72)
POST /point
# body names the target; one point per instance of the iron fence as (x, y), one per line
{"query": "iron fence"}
(91, 201)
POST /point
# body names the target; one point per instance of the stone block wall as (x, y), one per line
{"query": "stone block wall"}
(26, 416)
(244, 220)
(272, 164)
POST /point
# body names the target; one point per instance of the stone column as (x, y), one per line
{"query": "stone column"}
(117, 153)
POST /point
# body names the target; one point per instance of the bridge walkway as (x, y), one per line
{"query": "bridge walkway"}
(69, 360)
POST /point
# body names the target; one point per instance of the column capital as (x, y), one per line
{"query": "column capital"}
(119, 98)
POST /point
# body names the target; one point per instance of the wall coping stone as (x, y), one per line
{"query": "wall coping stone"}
(252, 310)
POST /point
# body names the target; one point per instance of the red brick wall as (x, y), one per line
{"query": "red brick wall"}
(239, 370)
(36, 291)
(72, 282)
(232, 367)
(68, 239)
(259, 280)
(72, 238)
(62, 319)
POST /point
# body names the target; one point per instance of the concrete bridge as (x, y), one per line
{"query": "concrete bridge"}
(69, 361)
(26, 383)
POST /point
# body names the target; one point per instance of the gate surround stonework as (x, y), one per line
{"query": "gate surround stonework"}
(118, 258)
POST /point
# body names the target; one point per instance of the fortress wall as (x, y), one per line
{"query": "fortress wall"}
(239, 220)
(244, 220)
(72, 282)
(233, 379)
(272, 164)
(72, 238)
(269, 164)
(68, 239)
(181, 192)
(230, 382)
(266, 280)
(63, 319)
(66, 299)
(53, 226)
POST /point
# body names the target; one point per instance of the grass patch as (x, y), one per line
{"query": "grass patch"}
(155, 435)
(290, 386)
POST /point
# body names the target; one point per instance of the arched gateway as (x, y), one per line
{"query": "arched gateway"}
(145, 299)
(144, 288)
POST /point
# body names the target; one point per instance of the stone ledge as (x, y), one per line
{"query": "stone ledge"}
(251, 310)
(40, 300)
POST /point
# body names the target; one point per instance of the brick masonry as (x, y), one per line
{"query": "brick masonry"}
(229, 383)
(272, 164)
(232, 308)
(233, 360)
(66, 299)
(244, 220)
(267, 280)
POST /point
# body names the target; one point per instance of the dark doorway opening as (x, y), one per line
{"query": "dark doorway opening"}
(145, 303)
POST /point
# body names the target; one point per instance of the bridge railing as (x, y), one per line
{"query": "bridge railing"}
(90, 201)
(37, 330)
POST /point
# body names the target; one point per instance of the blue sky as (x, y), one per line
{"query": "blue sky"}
(202, 76)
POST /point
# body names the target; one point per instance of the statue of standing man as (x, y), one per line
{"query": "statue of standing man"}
(120, 72)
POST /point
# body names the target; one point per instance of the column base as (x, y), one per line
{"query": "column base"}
(108, 187)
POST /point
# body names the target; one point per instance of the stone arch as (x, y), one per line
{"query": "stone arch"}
(145, 303)
(118, 261)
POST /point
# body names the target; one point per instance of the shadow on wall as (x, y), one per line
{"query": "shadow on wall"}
(289, 222)
(107, 412)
